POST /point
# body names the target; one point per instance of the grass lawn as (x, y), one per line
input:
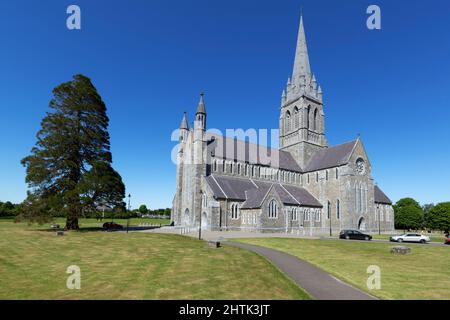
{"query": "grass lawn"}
(423, 274)
(33, 264)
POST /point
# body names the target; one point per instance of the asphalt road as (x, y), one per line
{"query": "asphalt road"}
(434, 244)
(317, 283)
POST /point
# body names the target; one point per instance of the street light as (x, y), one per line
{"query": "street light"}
(200, 227)
(329, 217)
(379, 223)
(129, 208)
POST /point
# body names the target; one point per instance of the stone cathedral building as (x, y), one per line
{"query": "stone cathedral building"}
(304, 187)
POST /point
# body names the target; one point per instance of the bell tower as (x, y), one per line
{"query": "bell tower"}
(302, 127)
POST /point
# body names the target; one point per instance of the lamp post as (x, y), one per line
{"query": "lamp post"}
(379, 222)
(200, 227)
(329, 217)
(331, 232)
(129, 208)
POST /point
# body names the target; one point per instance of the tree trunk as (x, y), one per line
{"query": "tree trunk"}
(72, 223)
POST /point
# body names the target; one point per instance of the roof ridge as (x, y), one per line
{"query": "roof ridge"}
(341, 144)
(248, 142)
(226, 196)
(290, 194)
(353, 150)
(254, 183)
(267, 192)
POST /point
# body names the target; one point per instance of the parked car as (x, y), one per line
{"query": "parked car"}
(112, 226)
(354, 235)
(410, 237)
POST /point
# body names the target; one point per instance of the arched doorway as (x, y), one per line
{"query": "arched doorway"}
(186, 217)
(362, 224)
(204, 220)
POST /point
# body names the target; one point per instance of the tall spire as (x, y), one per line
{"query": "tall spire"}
(301, 64)
(201, 105)
(184, 124)
(200, 116)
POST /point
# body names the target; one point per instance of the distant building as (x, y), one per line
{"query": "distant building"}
(224, 184)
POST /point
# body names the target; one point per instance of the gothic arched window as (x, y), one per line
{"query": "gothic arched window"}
(288, 121)
(234, 211)
(294, 214)
(296, 118)
(308, 115)
(316, 121)
(338, 209)
(273, 209)
(204, 200)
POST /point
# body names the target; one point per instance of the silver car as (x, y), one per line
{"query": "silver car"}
(411, 237)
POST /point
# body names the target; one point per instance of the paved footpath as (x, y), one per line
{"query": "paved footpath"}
(317, 283)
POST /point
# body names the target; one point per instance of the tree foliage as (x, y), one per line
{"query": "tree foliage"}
(143, 209)
(426, 213)
(439, 217)
(8, 209)
(69, 169)
(408, 214)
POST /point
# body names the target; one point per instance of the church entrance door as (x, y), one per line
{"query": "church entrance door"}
(186, 217)
(362, 224)
(204, 220)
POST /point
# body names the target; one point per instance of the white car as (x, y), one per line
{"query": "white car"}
(410, 237)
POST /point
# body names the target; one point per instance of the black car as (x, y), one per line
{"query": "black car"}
(354, 235)
(112, 226)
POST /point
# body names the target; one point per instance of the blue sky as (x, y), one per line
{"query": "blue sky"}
(150, 60)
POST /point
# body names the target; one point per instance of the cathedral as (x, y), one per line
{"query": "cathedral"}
(306, 187)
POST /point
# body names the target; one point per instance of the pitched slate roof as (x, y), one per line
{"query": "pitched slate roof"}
(303, 196)
(255, 197)
(253, 192)
(231, 188)
(331, 157)
(381, 197)
(244, 151)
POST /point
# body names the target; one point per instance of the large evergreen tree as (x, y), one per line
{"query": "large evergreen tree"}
(69, 170)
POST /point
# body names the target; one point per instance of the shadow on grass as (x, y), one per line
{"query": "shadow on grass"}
(97, 229)
(81, 230)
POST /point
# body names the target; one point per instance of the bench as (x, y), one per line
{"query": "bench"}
(400, 250)
(214, 244)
